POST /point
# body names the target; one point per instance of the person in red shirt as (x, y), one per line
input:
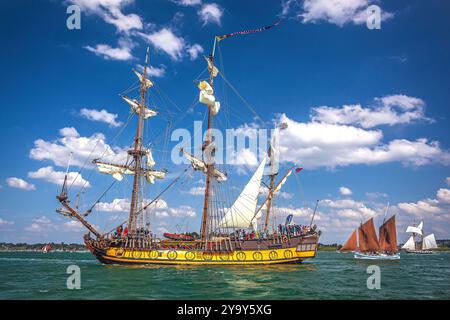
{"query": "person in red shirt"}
(125, 232)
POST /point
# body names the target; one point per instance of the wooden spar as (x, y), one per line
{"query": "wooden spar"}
(209, 164)
(73, 213)
(276, 187)
(269, 201)
(314, 214)
(137, 154)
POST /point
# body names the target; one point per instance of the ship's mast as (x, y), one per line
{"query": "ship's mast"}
(206, 146)
(138, 153)
(269, 200)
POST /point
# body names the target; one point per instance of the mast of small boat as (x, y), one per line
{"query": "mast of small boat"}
(209, 163)
(138, 153)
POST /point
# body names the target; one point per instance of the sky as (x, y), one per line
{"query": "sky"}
(366, 109)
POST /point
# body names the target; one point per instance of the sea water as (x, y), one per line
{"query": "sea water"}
(35, 275)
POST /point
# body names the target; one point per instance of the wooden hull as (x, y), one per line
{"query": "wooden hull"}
(296, 251)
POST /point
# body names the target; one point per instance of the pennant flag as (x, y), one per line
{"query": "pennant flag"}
(298, 170)
(220, 38)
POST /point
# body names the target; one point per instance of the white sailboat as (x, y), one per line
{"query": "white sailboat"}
(428, 242)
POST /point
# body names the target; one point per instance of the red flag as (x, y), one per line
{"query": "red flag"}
(298, 170)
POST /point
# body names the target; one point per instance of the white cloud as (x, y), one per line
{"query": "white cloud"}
(57, 177)
(73, 226)
(157, 72)
(159, 208)
(339, 12)
(5, 222)
(101, 116)
(194, 51)
(196, 191)
(82, 148)
(107, 52)
(166, 41)
(20, 184)
(345, 191)
(388, 110)
(210, 13)
(188, 3)
(41, 225)
(111, 12)
(279, 194)
(317, 144)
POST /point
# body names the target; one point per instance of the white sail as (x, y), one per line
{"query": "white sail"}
(420, 226)
(410, 244)
(151, 175)
(242, 212)
(429, 242)
(148, 83)
(200, 165)
(273, 153)
(116, 171)
(150, 161)
(135, 107)
(412, 229)
(206, 96)
(282, 182)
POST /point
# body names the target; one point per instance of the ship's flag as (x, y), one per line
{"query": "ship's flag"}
(298, 170)
(220, 38)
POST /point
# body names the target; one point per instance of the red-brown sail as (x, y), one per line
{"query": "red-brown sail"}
(388, 236)
(351, 244)
(368, 240)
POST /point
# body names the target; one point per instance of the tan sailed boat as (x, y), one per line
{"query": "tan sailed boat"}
(228, 235)
(365, 244)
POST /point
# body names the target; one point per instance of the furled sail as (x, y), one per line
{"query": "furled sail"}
(368, 240)
(211, 68)
(410, 244)
(135, 107)
(151, 175)
(150, 161)
(200, 165)
(388, 236)
(242, 212)
(117, 171)
(273, 153)
(206, 96)
(351, 243)
(148, 83)
(282, 182)
(429, 242)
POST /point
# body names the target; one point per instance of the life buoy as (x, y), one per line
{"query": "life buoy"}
(172, 255)
(257, 256)
(190, 255)
(120, 252)
(285, 239)
(273, 255)
(137, 254)
(240, 256)
(154, 254)
(288, 254)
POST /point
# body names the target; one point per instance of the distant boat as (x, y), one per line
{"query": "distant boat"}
(369, 246)
(47, 248)
(427, 243)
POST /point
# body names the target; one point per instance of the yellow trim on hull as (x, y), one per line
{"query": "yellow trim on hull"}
(191, 257)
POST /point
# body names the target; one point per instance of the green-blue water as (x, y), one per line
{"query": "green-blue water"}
(30, 275)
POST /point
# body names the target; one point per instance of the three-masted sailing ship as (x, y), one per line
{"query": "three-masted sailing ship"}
(426, 244)
(228, 235)
(369, 246)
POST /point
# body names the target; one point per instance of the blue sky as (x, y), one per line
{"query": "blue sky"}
(367, 110)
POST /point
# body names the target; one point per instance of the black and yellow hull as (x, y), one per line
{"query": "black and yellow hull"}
(287, 253)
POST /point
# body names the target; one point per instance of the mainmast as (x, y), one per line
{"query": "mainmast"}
(138, 153)
(207, 147)
(272, 175)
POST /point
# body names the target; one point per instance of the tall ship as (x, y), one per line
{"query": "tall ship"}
(365, 244)
(240, 232)
(417, 242)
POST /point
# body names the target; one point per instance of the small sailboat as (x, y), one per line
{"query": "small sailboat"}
(369, 246)
(427, 244)
(47, 248)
